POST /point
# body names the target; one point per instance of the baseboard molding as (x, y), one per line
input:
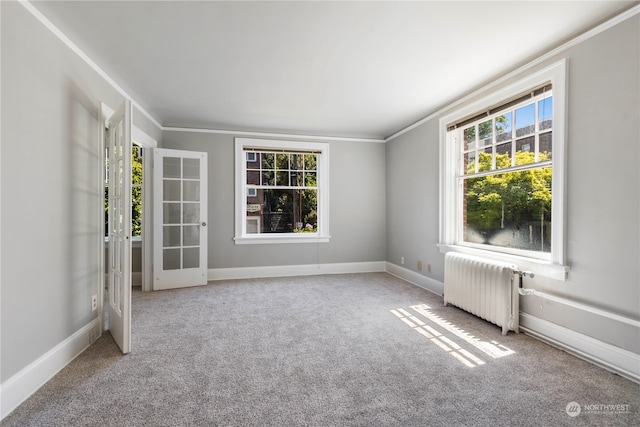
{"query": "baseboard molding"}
(136, 278)
(607, 356)
(417, 279)
(20, 386)
(615, 359)
(295, 270)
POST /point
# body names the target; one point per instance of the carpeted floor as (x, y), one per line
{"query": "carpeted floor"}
(338, 350)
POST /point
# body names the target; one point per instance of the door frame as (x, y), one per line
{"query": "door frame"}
(148, 144)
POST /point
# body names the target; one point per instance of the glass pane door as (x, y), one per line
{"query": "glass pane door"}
(181, 218)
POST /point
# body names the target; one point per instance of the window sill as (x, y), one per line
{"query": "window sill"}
(538, 267)
(267, 239)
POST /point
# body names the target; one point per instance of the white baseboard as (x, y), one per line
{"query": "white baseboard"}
(20, 386)
(417, 279)
(295, 270)
(136, 278)
(607, 356)
(615, 359)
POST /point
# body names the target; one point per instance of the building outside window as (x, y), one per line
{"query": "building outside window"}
(281, 191)
(502, 173)
(505, 171)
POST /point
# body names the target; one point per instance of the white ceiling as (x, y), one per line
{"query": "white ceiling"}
(349, 69)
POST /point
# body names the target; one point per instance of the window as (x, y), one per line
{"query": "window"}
(136, 192)
(503, 173)
(281, 191)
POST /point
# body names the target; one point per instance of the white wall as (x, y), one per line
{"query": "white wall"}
(51, 190)
(384, 199)
(412, 200)
(357, 206)
(52, 201)
(603, 234)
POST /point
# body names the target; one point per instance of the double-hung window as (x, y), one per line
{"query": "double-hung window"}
(503, 173)
(281, 191)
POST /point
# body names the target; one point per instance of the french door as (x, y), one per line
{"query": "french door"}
(180, 219)
(119, 276)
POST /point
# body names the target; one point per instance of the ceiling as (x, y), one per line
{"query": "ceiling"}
(342, 69)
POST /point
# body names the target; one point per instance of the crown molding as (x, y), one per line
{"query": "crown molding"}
(571, 43)
(271, 135)
(60, 35)
(575, 41)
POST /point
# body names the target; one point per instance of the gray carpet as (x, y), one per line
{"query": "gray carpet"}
(361, 349)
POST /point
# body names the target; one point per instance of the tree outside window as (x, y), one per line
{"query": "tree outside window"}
(136, 193)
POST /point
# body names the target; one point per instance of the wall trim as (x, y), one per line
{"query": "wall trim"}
(22, 385)
(577, 40)
(295, 270)
(550, 54)
(431, 285)
(27, 381)
(607, 356)
(136, 278)
(71, 45)
(271, 135)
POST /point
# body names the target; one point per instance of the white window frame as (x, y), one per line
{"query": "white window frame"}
(550, 265)
(241, 236)
(256, 220)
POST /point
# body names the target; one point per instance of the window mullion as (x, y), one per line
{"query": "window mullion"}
(494, 151)
(477, 147)
(513, 137)
(536, 130)
(518, 168)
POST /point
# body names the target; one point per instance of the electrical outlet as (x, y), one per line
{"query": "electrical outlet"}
(94, 302)
(419, 265)
(402, 260)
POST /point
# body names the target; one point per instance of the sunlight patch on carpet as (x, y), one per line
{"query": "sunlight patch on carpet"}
(435, 332)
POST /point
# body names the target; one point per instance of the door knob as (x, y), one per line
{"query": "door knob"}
(204, 224)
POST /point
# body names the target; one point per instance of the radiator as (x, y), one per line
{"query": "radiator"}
(485, 288)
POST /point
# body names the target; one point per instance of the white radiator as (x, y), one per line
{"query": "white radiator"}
(488, 289)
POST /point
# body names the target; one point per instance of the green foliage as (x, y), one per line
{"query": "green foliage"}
(508, 198)
(300, 205)
(136, 193)
(136, 196)
(485, 128)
